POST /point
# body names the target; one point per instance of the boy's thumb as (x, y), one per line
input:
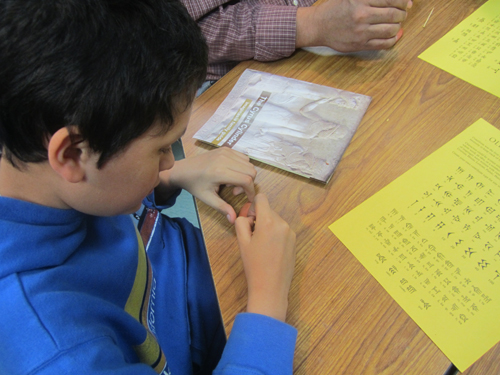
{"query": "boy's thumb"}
(243, 230)
(230, 213)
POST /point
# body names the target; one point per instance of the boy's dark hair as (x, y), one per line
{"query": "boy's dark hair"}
(111, 67)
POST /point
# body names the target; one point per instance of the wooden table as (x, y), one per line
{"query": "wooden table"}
(348, 323)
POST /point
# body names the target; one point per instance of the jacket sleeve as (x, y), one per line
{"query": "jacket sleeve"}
(98, 357)
(258, 345)
(263, 30)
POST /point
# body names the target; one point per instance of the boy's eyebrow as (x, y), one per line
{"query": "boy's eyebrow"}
(159, 134)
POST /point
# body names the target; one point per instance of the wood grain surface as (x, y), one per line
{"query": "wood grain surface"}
(348, 323)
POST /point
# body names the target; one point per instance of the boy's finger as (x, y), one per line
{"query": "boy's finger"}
(230, 213)
(241, 159)
(240, 163)
(260, 205)
(240, 155)
(237, 190)
(222, 206)
(243, 230)
(249, 189)
(243, 181)
(251, 211)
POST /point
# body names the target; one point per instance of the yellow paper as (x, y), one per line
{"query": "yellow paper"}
(431, 238)
(471, 51)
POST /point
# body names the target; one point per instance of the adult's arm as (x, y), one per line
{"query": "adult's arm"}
(264, 30)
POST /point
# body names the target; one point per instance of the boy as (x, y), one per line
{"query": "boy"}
(93, 95)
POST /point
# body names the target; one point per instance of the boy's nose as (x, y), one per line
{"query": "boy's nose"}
(167, 161)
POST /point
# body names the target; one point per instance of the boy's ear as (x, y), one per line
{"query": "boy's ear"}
(65, 155)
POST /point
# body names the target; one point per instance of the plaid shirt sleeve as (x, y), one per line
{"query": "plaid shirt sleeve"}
(263, 30)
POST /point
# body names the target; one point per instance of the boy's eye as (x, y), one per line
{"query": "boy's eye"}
(165, 150)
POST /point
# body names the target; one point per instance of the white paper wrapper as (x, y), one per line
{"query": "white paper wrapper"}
(298, 126)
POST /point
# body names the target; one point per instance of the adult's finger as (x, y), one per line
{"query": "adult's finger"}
(400, 4)
(385, 15)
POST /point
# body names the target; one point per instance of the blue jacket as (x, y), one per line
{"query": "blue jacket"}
(92, 295)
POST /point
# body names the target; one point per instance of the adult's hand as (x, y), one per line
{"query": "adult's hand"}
(352, 25)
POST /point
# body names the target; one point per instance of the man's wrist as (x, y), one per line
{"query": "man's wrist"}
(305, 34)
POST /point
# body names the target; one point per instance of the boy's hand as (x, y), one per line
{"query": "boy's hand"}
(203, 175)
(267, 246)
